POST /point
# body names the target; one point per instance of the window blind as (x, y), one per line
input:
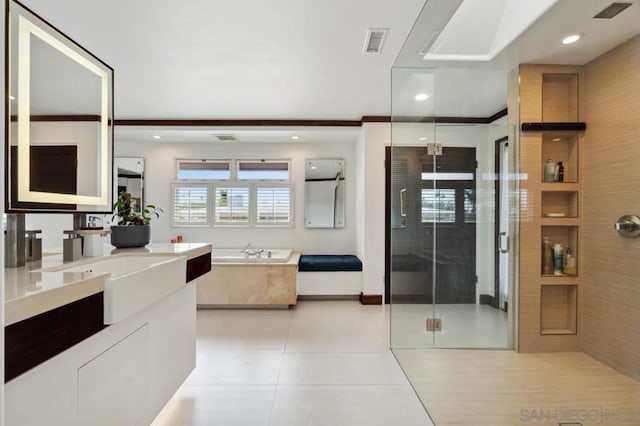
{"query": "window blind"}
(232, 205)
(190, 204)
(273, 205)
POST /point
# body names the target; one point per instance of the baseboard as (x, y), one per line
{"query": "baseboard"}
(486, 299)
(370, 299)
(328, 297)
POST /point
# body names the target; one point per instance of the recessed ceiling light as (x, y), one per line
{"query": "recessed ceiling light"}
(422, 138)
(571, 39)
(555, 140)
(421, 97)
(313, 167)
(157, 137)
(295, 137)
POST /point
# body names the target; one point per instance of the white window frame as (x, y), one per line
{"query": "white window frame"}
(213, 185)
(292, 202)
(248, 160)
(187, 184)
(230, 162)
(216, 223)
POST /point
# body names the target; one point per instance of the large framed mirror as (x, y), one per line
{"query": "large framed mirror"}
(129, 177)
(324, 193)
(59, 121)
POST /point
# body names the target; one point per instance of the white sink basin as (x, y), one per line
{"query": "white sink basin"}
(133, 282)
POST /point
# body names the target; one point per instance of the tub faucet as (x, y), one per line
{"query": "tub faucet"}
(250, 251)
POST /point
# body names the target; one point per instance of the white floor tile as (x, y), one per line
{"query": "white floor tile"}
(240, 369)
(346, 337)
(320, 363)
(347, 406)
(341, 368)
(331, 313)
(224, 406)
(242, 329)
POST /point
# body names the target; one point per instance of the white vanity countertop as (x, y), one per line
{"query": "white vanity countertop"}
(30, 293)
(191, 250)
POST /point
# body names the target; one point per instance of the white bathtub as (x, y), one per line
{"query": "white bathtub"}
(238, 256)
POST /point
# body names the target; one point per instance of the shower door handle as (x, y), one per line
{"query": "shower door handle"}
(506, 236)
(403, 211)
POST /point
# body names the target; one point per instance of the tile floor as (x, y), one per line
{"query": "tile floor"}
(463, 326)
(320, 363)
(505, 388)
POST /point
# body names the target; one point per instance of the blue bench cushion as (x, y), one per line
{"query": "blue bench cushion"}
(329, 263)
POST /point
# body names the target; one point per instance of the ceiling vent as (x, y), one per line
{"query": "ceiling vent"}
(374, 40)
(226, 137)
(612, 10)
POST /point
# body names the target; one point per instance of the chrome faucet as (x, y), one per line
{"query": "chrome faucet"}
(250, 251)
(93, 221)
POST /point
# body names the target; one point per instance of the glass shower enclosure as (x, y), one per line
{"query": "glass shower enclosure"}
(451, 216)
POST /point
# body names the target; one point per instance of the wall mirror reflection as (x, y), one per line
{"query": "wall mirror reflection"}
(59, 120)
(324, 193)
(129, 177)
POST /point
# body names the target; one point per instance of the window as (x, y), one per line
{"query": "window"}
(231, 205)
(274, 205)
(203, 169)
(263, 170)
(208, 192)
(190, 204)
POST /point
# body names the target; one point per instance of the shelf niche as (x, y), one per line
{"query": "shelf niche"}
(566, 236)
(563, 202)
(558, 309)
(561, 147)
(559, 97)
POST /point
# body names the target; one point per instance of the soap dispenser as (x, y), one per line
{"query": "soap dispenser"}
(93, 241)
(570, 264)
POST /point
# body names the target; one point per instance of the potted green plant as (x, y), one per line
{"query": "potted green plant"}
(131, 228)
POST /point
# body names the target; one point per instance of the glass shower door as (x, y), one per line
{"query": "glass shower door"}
(411, 246)
(443, 225)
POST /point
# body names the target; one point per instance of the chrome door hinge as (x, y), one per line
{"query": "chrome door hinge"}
(434, 149)
(434, 324)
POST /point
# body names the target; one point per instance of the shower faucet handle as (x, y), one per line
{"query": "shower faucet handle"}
(628, 226)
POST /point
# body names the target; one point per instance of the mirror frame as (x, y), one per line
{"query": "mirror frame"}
(30, 23)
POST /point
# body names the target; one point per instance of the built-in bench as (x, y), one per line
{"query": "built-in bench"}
(329, 275)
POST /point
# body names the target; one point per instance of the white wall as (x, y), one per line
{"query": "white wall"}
(52, 226)
(374, 138)
(160, 172)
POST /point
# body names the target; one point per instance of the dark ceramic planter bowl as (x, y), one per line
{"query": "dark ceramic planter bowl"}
(130, 236)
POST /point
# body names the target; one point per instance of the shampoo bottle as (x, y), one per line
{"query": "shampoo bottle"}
(549, 170)
(547, 257)
(557, 259)
(559, 172)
